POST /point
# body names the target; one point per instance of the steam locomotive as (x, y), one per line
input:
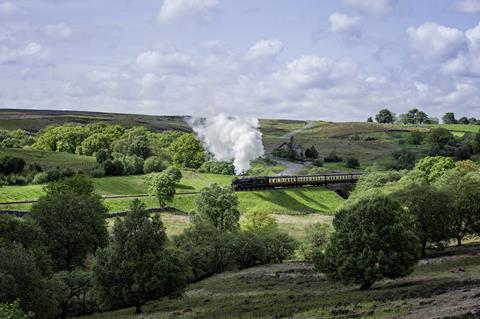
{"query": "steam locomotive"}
(271, 182)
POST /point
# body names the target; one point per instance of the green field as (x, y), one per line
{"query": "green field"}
(50, 160)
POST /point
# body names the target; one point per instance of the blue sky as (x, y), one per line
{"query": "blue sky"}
(336, 60)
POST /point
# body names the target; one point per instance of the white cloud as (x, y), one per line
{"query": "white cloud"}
(7, 8)
(264, 49)
(173, 10)
(33, 53)
(468, 6)
(59, 31)
(372, 7)
(155, 61)
(342, 23)
(431, 40)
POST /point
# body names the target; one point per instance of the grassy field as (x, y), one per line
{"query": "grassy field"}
(446, 286)
(50, 160)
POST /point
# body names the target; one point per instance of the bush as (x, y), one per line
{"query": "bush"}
(13, 179)
(13, 311)
(373, 239)
(40, 178)
(278, 247)
(333, 157)
(102, 155)
(317, 238)
(258, 221)
(154, 164)
(217, 167)
(113, 168)
(415, 137)
(174, 173)
(318, 162)
(98, 171)
(246, 250)
(12, 165)
(132, 164)
(352, 162)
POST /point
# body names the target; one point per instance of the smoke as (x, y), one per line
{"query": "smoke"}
(231, 138)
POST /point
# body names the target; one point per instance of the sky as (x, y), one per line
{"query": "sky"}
(336, 60)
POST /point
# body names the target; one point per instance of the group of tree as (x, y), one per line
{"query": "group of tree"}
(413, 116)
(449, 118)
(15, 139)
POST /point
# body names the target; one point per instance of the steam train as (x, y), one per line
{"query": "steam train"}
(272, 182)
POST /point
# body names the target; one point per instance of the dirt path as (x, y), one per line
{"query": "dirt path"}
(309, 124)
(292, 167)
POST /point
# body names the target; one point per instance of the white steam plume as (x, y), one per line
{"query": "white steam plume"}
(231, 138)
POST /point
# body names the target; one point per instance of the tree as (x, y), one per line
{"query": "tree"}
(186, 151)
(218, 206)
(162, 186)
(385, 116)
(353, 162)
(369, 120)
(13, 311)
(74, 224)
(218, 167)
(259, 221)
(431, 210)
(21, 279)
(95, 143)
(414, 116)
(136, 266)
(11, 165)
(311, 152)
(78, 184)
(464, 191)
(279, 246)
(373, 239)
(154, 164)
(113, 168)
(174, 173)
(467, 166)
(415, 137)
(463, 120)
(449, 118)
(102, 155)
(435, 166)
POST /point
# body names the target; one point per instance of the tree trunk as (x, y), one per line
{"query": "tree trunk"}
(424, 249)
(459, 241)
(138, 309)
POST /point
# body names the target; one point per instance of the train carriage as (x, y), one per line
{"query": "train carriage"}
(272, 182)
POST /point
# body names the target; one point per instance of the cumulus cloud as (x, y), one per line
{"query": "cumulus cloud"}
(466, 63)
(173, 10)
(372, 7)
(33, 53)
(468, 6)
(264, 49)
(431, 40)
(7, 8)
(155, 61)
(342, 23)
(59, 31)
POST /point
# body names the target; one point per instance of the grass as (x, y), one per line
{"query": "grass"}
(51, 160)
(448, 286)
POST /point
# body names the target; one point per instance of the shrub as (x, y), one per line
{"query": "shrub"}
(132, 164)
(373, 239)
(415, 137)
(217, 167)
(317, 238)
(98, 171)
(435, 166)
(40, 178)
(278, 246)
(186, 151)
(102, 155)
(318, 162)
(13, 179)
(174, 173)
(113, 168)
(162, 186)
(13, 311)
(154, 164)
(259, 221)
(246, 250)
(333, 157)
(12, 165)
(352, 162)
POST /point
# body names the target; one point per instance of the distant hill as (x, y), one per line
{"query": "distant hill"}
(35, 120)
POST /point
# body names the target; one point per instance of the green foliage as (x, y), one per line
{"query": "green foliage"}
(415, 137)
(373, 239)
(317, 237)
(75, 292)
(385, 116)
(279, 246)
(218, 206)
(102, 155)
(333, 157)
(174, 173)
(449, 118)
(11, 165)
(154, 164)
(377, 179)
(186, 151)
(113, 168)
(431, 210)
(15, 139)
(414, 116)
(13, 311)
(132, 164)
(258, 221)
(311, 152)
(136, 267)
(318, 162)
(352, 162)
(22, 279)
(135, 141)
(95, 143)
(162, 186)
(74, 224)
(467, 166)
(370, 119)
(217, 167)
(435, 166)
(245, 250)
(403, 159)
(40, 178)
(64, 138)
(78, 184)
(464, 196)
